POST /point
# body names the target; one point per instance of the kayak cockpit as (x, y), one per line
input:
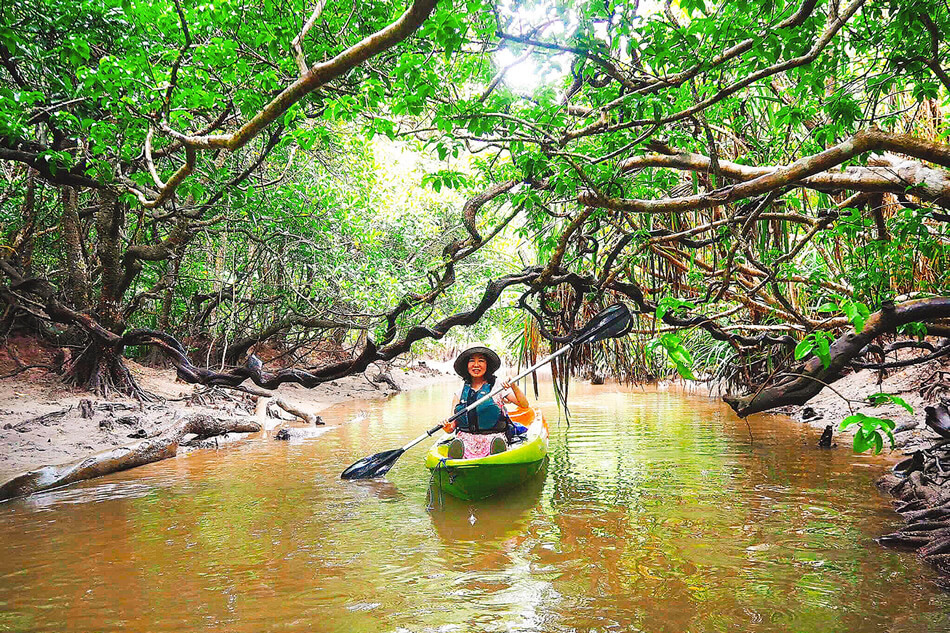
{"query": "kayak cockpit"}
(482, 477)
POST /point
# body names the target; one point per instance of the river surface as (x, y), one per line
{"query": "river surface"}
(659, 511)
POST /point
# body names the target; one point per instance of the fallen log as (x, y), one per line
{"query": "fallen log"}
(265, 398)
(124, 457)
(296, 411)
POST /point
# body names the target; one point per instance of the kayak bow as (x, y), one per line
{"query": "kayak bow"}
(473, 479)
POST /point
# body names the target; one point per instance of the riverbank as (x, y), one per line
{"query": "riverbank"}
(918, 483)
(915, 385)
(43, 422)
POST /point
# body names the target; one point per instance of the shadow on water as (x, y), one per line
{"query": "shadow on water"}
(487, 520)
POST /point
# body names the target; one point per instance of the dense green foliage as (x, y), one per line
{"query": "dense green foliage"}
(755, 178)
(317, 230)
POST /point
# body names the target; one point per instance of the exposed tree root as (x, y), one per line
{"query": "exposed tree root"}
(386, 377)
(924, 490)
(45, 420)
(100, 369)
(125, 457)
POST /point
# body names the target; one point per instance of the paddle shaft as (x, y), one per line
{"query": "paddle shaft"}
(543, 361)
(610, 323)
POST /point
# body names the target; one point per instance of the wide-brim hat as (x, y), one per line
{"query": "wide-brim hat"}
(461, 363)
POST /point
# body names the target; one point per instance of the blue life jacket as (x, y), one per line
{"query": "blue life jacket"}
(487, 417)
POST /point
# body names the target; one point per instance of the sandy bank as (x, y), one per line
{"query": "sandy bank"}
(916, 385)
(41, 422)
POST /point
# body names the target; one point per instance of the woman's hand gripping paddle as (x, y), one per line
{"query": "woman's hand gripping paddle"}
(610, 323)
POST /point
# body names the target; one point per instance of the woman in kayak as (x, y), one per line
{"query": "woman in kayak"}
(482, 431)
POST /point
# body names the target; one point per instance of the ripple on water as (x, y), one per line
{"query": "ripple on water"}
(90, 492)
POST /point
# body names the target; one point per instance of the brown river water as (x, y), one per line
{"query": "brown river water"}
(659, 511)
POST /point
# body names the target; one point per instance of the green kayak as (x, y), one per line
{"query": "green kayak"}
(473, 479)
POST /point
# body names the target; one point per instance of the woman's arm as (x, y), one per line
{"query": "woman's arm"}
(447, 426)
(517, 396)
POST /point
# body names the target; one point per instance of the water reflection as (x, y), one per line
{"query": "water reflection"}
(382, 489)
(658, 512)
(486, 521)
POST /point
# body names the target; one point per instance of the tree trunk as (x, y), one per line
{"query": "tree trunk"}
(77, 275)
(155, 358)
(22, 242)
(100, 369)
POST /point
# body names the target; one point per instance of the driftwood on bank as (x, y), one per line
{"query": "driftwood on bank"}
(124, 457)
(296, 411)
(263, 411)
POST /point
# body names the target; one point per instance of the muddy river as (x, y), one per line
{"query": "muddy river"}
(659, 511)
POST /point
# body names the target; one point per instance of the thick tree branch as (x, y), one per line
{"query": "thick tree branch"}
(889, 174)
(297, 44)
(862, 142)
(843, 351)
(33, 154)
(318, 75)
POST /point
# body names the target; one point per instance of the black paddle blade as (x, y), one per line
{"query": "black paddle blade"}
(373, 466)
(610, 323)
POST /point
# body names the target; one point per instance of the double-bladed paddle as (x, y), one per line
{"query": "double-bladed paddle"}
(610, 323)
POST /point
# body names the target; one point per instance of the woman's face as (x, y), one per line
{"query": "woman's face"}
(477, 366)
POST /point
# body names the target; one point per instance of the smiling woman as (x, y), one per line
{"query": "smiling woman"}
(484, 430)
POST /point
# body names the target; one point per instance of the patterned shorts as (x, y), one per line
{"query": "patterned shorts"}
(477, 445)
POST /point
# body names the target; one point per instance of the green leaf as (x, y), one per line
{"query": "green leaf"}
(878, 443)
(822, 351)
(872, 432)
(804, 347)
(861, 442)
(877, 399)
(916, 329)
(685, 372)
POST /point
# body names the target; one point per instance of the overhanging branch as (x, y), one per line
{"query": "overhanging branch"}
(814, 375)
(862, 142)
